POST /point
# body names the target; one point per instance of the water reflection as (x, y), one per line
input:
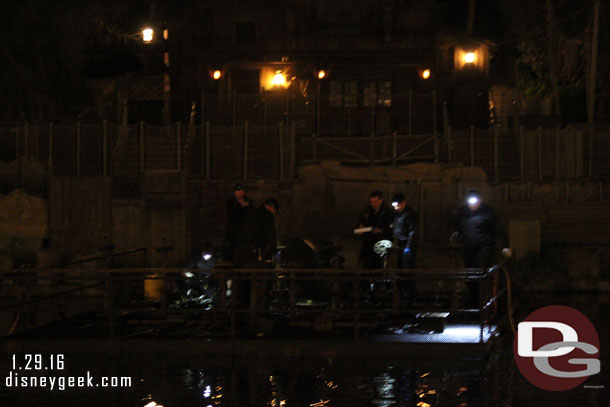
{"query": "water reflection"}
(182, 379)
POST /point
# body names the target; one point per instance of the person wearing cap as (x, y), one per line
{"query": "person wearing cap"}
(478, 229)
(238, 208)
(405, 224)
(378, 217)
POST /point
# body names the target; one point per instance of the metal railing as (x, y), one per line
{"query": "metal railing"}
(319, 299)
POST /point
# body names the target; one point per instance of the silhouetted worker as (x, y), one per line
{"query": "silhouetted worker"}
(405, 224)
(479, 229)
(378, 218)
(257, 240)
(238, 208)
(256, 247)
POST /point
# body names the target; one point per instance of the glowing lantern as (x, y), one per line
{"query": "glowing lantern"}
(279, 79)
(147, 34)
(469, 57)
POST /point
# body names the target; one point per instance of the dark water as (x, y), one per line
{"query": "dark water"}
(181, 377)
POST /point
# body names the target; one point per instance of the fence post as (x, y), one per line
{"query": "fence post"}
(141, 146)
(471, 131)
(105, 147)
(265, 118)
(78, 143)
(410, 112)
(292, 149)
(208, 154)
(372, 141)
(281, 146)
(50, 163)
(434, 111)
(394, 147)
(26, 140)
(245, 169)
(557, 134)
(178, 146)
(421, 214)
(522, 153)
(202, 119)
(314, 147)
(349, 121)
(436, 149)
(540, 153)
(591, 135)
(495, 147)
(449, 146)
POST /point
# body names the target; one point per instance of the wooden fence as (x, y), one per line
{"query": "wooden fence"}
(253, 151)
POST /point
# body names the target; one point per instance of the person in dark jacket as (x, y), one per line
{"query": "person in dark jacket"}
(238, 208)
(405, 224)
(257, 240)
(256, 247)
(479, 230)
(378, 217)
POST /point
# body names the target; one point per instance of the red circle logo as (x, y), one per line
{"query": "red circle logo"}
(557, 348)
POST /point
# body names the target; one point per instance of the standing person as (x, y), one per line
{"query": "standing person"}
(257, 240)
(238, 208)
(255, 249)
(478, 229)
(378, 217)
(405, 224)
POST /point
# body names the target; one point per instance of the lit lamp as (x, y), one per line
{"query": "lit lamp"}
(147, 34)
(424, 74)
(279, 79)
(216, 74)
(469, 58)
(321, 74)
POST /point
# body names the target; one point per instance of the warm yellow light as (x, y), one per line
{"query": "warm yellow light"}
(321, 74)
(216, 75)
(147, 34)
(425, 74)
(469, 57)
(279, 79)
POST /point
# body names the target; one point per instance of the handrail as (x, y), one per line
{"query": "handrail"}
(54, 295)
(109, 256)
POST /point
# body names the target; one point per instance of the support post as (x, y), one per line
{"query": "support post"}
(141, 147)
(449, 146)
(410, 112)
(522, 153)
(394, 147)
(245, 164)
(78, 148)
(539, 153)
(434, 111)
(591, 136)
(292, 149)
(208, 155)
(178, 146)
(50, 161)
(496, 154)
(281, 147)
(105, 148)
(471, 131)
(557, 135)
